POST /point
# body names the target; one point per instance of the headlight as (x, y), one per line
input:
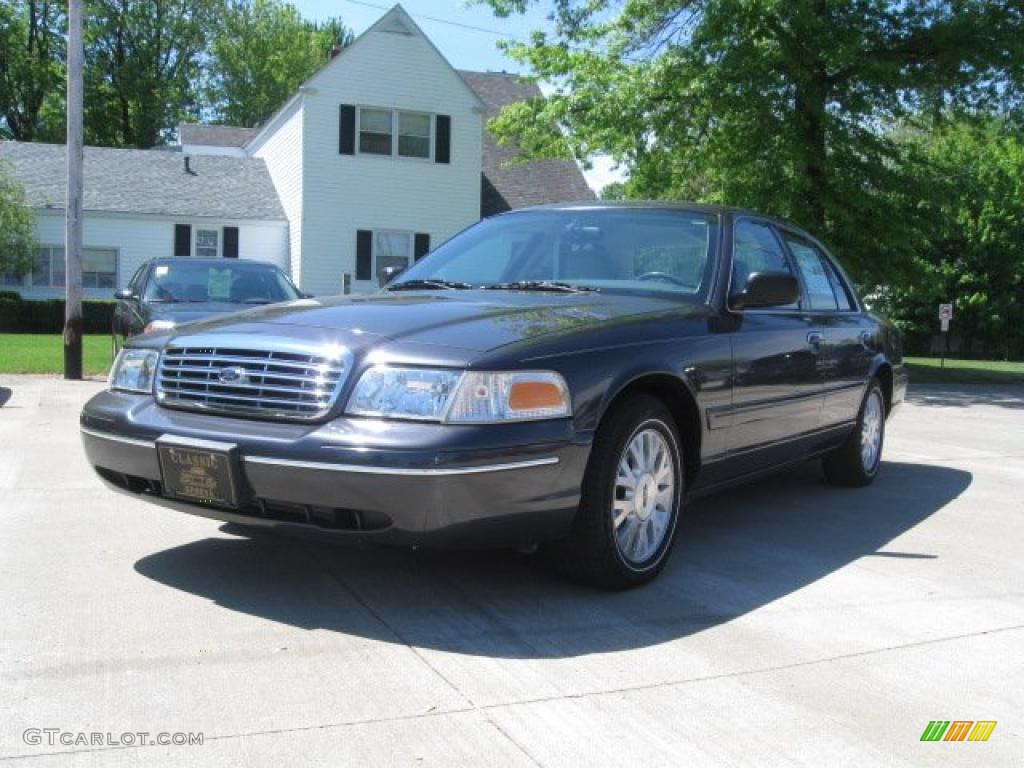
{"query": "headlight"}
(159, 325)
(403, 393)
(457, 397)
(134, 370)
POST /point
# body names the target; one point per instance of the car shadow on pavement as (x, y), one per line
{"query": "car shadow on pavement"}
(736, 552)
(5, 395)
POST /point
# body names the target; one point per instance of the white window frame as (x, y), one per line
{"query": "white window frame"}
(195, 241)
(395, 113)
(26, 279)
(373, 248)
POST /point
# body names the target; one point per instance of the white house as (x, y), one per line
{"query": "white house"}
(379, 156)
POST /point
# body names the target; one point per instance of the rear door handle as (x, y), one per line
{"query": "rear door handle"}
(867, 339)
(814, 339)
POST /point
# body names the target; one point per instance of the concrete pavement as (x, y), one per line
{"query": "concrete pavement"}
(797, 624)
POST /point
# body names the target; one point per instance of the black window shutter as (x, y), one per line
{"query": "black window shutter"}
(347, 130)
(443, 144)
(230, 242)
(364, 244)
(182, 240)
(421, 246)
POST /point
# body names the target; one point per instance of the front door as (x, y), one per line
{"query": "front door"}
(777, 354)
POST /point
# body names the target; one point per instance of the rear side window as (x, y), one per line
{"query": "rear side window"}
(756, 249)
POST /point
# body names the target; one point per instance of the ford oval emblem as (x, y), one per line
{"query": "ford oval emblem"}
(233, 375)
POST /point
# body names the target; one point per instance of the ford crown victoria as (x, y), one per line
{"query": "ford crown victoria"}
(566, 376)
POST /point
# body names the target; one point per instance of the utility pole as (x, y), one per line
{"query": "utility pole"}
(73, 214)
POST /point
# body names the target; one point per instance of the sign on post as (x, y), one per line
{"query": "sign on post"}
(945, 315)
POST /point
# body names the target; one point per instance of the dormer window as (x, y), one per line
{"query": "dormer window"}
(394, 133)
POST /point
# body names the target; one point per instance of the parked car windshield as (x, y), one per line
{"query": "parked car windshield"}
(233, 282)
(623, 249)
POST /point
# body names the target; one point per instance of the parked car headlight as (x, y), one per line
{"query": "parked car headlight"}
(457, 397)
(134, 370)
(159, 325)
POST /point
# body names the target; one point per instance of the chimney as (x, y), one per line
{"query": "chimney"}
(332, 54)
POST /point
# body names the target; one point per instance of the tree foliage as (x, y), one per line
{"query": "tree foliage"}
(262, 52)
(143, 62)
(971, 256)
(31, 70)
(786, 106)
(17, 227)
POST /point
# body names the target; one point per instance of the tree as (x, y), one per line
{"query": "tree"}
(781, 105)
(143, 63)
(972, 256)
(262, 52)
(17, 227)
(31, 70)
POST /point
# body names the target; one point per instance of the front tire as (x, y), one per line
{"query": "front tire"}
(632, 494)
(856, 462)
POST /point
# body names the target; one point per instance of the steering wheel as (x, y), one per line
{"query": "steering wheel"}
(664, 277)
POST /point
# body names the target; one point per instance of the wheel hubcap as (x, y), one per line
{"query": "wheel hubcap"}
(871, 432)
(644, 496)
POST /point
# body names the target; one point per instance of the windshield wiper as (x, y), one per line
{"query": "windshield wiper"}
(539, 285)
(415, 285)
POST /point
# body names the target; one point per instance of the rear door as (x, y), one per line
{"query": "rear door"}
(777, 385)
(849, 339)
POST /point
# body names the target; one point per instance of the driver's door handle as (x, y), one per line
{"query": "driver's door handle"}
(814, 340)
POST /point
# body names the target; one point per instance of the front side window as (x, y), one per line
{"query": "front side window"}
(206, 243)
(620, 250)
(375, 131)
(756, 249)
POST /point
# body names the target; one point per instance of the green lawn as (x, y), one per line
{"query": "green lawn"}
(926, 370)
(44, 353)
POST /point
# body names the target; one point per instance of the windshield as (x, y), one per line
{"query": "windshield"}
(623, 249)
(233, 282)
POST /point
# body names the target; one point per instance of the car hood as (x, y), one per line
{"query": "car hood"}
(188, 312)
(473, 320)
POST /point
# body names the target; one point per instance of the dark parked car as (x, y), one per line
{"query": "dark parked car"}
(566, 376)
(164, 293)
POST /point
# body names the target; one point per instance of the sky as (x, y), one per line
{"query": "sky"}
(447, 23)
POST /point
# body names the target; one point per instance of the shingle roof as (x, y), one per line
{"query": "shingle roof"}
(518, 185)
(148, 181)
(214, 135)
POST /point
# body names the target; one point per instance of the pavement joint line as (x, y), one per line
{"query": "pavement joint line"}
(384, 622)
(485, 708)
(497, 726)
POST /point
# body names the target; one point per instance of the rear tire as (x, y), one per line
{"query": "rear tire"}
(856, 462)
(632, 494)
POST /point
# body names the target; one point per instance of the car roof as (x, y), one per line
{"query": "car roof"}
(680, 205)
(209, 262)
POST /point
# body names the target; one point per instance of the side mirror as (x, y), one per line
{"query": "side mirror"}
(124, 294)
(766, 289)
(388, 274)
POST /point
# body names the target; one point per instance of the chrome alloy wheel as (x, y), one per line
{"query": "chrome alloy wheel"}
(871, 432)
(645, 493)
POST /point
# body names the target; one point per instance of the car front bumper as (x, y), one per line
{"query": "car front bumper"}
(391, 482)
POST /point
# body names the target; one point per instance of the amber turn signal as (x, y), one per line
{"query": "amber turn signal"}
(533, 395)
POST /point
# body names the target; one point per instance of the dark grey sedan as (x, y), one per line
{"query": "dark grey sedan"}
(569, 377)
(164, 293)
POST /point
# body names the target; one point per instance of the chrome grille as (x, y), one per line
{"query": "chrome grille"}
(283, 382)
